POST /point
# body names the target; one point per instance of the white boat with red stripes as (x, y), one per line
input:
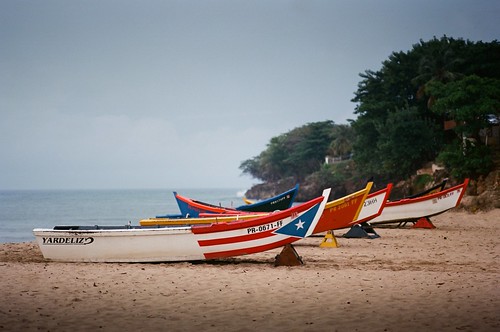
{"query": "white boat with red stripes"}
(412, 209)
(180, 243)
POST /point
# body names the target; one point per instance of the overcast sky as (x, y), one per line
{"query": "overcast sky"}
(176, 94)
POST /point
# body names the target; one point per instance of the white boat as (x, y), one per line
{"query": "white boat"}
(180, 243)
(373, 206)
(412, 209)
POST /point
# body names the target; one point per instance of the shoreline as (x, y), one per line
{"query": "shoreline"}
(444, 279)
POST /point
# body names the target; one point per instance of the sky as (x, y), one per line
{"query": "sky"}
(116, 94)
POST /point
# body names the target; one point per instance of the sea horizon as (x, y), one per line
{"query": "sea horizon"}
(22, 210)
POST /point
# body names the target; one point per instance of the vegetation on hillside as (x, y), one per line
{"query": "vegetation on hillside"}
(401, 110)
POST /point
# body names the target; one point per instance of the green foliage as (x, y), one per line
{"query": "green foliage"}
(333, 176)
(421, 181)
(343, 138)
(466, 159)
(400, 112)
(467, 101)
(296, 154)
(365, 145)
(434, 80)
(251, 167)
(405, 141)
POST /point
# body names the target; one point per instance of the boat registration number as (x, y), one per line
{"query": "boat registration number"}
(266, 227)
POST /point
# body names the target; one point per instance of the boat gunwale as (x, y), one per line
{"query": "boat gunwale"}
(405, 201)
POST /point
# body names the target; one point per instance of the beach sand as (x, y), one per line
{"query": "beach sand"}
(443, 279)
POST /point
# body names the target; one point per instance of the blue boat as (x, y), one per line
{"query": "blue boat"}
(193, 208)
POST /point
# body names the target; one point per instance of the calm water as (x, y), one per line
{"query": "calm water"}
(23, 210)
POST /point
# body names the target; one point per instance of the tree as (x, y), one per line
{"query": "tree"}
(379, 94)
(401, 85)
(466, 159)
(399, 126)
(296, 154)
(406, 142)
(270, 165)
(307, 147)
(342, 141)
(467, 101)
(439, 63)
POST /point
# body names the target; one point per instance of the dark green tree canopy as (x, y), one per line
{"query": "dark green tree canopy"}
(405, 138)
(467, 100)
(299, 152)
(401, 109)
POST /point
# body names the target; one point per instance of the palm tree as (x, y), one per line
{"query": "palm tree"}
(437, 64)
(344, 138)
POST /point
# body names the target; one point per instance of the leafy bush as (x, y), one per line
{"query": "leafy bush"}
(467, 159)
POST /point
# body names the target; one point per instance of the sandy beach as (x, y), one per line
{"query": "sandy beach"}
(442, 279)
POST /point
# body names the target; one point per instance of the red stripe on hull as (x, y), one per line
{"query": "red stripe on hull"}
(235, 239)
(251, 250)
(431, 196)
(272, 217)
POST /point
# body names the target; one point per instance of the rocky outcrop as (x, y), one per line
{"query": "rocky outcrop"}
(270, 189)
(483, 194)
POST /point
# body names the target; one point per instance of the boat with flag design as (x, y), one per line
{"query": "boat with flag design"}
(180, 243)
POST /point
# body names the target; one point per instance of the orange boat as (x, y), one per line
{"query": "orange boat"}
(341, 212)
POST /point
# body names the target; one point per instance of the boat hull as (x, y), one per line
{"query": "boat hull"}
(341, 212)
(192, 208)
(373, 206)
(282, 201)
(420, 207)
(180, 243)
(139, 245)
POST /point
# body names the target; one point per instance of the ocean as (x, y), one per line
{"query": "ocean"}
(23, 210)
